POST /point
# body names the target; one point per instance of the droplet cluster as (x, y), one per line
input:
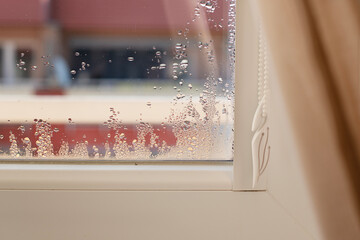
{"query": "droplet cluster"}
(14, 150)
(44, 134)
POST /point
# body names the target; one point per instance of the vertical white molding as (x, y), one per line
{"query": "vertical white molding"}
(250, 107)
(246, 100)
(8, 59)
(260, 142)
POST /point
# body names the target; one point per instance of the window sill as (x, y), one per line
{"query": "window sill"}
(116, 177)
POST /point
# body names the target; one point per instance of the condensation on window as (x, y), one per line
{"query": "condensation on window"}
(153, 80)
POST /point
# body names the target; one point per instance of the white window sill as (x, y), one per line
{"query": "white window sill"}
(116, 177)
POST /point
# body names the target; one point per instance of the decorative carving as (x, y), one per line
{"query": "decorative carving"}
(260, 141)
(260, 152)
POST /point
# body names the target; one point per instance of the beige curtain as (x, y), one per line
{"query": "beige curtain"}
(315, 47)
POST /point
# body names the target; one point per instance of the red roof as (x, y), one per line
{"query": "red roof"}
(104, 14)
(23, 12)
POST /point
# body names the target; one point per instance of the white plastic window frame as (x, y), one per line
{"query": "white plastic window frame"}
(166, 177)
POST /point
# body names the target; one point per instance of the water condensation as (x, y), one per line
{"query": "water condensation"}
(197, 126)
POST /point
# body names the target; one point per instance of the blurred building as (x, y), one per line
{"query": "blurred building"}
(104, 41)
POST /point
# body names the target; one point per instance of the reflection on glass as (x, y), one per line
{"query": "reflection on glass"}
(116, 79)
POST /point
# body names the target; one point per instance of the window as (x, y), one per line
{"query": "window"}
(1, 63)
(24, 56)
(104, 84)
(111, 81)
(118, 68)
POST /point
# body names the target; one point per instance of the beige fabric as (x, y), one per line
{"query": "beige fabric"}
(315, 46)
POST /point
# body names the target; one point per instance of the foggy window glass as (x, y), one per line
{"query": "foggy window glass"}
(117, 80)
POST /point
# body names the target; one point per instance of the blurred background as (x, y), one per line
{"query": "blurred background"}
(67, 62)
(92, 46)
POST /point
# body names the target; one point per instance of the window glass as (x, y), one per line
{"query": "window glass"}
(117, 79)
(23, 56)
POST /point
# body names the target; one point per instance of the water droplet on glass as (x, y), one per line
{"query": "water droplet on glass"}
(190, 86)
(22, 129)
(180, 96)
(130, 59)
(1, 136)
(148, 104)
(162, 66)
(77, 54)
(184, 64)
(178, 46)
(158, 53)
(33, 68)
(110, 61)
(73, 72)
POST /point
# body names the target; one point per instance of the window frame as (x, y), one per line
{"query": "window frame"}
(206, 176)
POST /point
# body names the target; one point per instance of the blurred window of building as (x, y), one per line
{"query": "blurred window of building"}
(24, 58)
(1, 65)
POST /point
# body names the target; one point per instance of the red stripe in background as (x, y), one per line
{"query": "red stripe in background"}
(94, 134)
